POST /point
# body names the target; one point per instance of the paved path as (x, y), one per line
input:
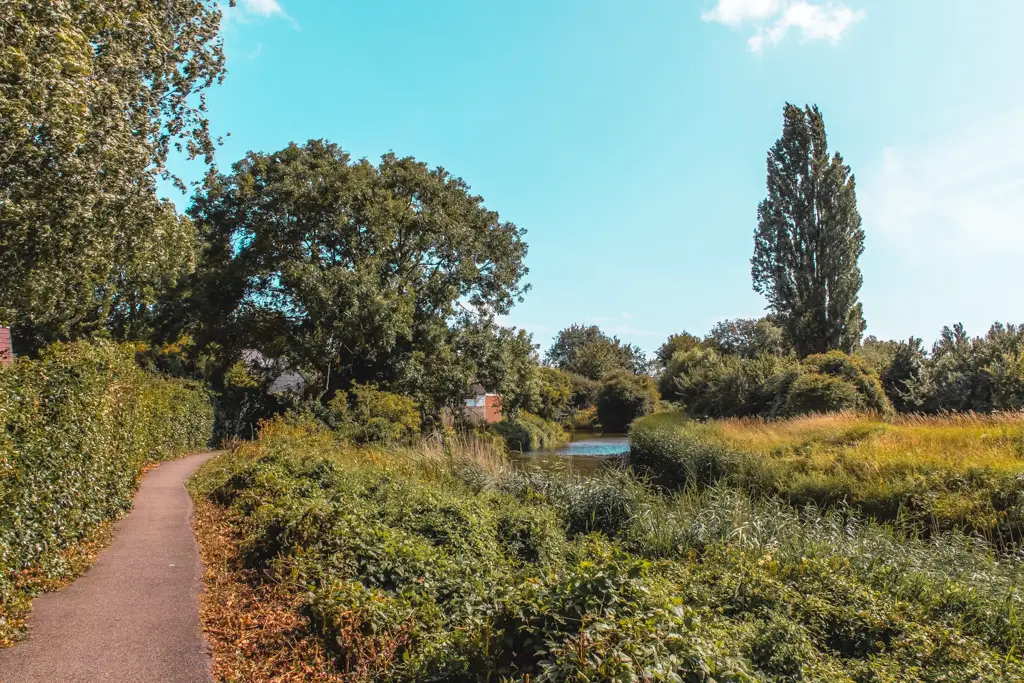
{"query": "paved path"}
(133, 617)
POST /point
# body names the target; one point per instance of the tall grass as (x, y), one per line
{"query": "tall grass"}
(438, 563)
(942, 473)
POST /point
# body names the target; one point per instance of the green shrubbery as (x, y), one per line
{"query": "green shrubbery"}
(623, 398)
(709, 384)
(366, 414)
(78, 424)
(527, 432)
(409, 573)
(928, 474)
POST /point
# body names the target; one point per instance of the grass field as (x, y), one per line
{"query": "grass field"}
(438, 563)
(933, 473)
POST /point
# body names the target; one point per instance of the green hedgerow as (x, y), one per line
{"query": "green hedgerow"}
(78, 424)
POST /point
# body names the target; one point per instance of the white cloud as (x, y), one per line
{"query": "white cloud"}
(264, 8)
(774, 19)
(253, 10)
(736, 12)
(958, 196)
(256, 51)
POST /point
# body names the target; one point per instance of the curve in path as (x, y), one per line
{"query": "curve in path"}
(134, 616)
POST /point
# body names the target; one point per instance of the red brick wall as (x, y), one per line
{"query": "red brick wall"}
(492, 408)
(6, 351)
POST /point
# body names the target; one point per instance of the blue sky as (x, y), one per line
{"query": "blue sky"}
(629, 138)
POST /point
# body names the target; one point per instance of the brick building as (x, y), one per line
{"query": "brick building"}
(6, 350)
(483, 406)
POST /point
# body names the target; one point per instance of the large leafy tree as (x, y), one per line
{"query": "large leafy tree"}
(809, 238)
(587, 351)
(355, 272)
(93, 98)
(747, 338)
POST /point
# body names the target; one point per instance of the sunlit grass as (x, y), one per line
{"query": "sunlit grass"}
(937, 473)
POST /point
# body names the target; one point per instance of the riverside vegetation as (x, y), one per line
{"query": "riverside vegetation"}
(438, 563)
(77, 426)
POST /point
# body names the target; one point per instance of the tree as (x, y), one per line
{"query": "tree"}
(748, 338)
(673, 345)
(95, 96)
(809, 238)
(624, 397)
(357, 273)
(589, 352)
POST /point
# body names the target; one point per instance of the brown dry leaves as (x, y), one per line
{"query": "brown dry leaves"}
(255, 630)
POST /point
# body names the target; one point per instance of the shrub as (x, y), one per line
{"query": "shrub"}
(367, 414)
(812, 392)
(707, 383)
(528, 432)
(856, 372)
(678, 452)
(623, 398)
(403, 574)
(77, 427)
(556, 393)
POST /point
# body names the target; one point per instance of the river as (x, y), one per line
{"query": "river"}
(586, 454)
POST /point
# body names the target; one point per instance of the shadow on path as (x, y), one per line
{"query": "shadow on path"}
(134, 616)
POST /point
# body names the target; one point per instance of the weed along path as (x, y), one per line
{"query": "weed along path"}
(134, 616)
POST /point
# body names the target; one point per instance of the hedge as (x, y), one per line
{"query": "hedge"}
(79, 424)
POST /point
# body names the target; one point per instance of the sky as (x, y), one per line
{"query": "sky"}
(629, 138)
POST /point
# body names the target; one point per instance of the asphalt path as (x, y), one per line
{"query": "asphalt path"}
(134, 616)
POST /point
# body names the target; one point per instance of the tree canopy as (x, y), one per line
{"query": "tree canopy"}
(587, 351)
(95, 96)
(359, 273)
(809, 238)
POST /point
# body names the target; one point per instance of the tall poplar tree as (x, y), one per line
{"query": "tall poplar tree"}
(809, 238)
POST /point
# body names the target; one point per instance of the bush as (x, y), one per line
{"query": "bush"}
(405, 574)
(708, 384)
(678, 452)
(857, 373)
(624, 397)
(556, 393)
(77, 427)
(369, 415)
(528, 432)
(812, 392)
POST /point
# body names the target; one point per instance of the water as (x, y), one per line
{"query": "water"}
(585, 454)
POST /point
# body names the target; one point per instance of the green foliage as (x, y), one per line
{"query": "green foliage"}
(748, 338)
(556, 393)
(809, 238)
(676, 343)
(624, 397)
(813, 392)
(78, 424)
(408, 574)
(95, 96)
(867, 393)
(589, 352)
(368, 415)
(709, 384)
(387, 273)
(528, 432)
(980, 374)
(584, 392)
(927, 477)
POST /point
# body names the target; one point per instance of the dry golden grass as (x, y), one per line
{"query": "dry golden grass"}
(850, 440)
